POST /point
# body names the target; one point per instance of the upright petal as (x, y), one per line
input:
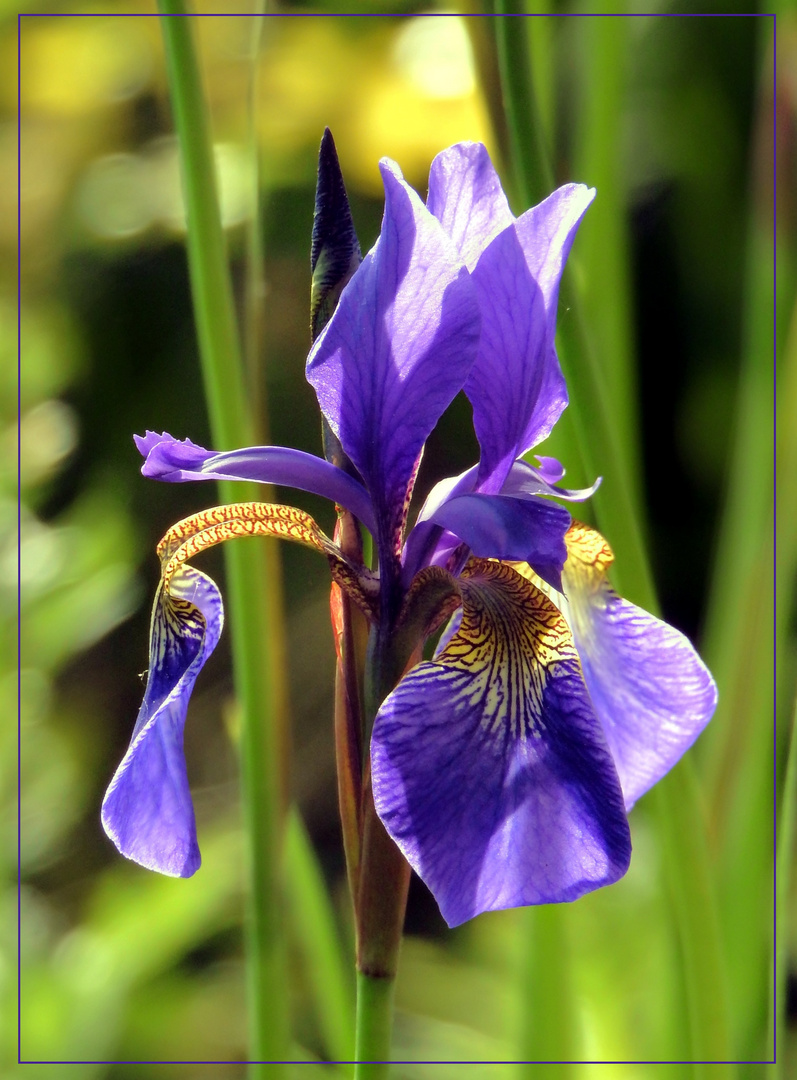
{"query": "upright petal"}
(396, 351)
(147, 810)
(651, 691)
(516, 386)
(490, 770)
(179, 460)
(466, 197)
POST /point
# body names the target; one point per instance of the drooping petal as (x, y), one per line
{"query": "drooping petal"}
(516, 386)
(218, 524)
(652, 693)
(490, 770)
(396, 351)
(466, 197)
(147, 810)
(499, 527)
(179, 460)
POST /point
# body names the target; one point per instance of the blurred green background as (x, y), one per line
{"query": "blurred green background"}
(122, 964)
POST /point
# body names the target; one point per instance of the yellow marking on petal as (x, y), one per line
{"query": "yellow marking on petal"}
(210, 527)
(586, 583)
(175, 616)
(587, 549)
(511, 641)
(219, 523)
(588, 560)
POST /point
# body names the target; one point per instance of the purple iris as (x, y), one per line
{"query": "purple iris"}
(502, 768)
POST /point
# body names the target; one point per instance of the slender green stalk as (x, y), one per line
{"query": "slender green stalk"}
(603, 49)
(786, 534)
(316, 930)
(254, 252)
(532, 168)
(787, 832)
(786, 576)
(231, 426)
(374, 1026)
(786, 572)
(736, 751)
(541, 43)
(681, 826)
(549, 1025)
(679, 815)
(747, 515)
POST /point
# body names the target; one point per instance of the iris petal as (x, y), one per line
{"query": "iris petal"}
(516, 386)
(466, 197)
(500, 527)
(179, 460)
(147, 810)
(490, 770)
(525, 479)
(652, 693)
(396, 351)
(218, 524)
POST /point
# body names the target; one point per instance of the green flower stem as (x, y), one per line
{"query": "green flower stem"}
(316, 930)
(381, 903)
(620, 513)
(374, 1026)
(549, 1026)
(250, 603)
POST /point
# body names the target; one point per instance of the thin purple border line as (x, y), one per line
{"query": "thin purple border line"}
(19, 538)
(771, 15)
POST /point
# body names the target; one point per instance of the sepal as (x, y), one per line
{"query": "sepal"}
(651, 691)
(147, 810)
(490, 770)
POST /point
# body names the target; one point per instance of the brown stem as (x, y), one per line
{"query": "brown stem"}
(350, 632)
(382, 900)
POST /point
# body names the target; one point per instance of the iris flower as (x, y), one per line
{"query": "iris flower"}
(504, 767)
